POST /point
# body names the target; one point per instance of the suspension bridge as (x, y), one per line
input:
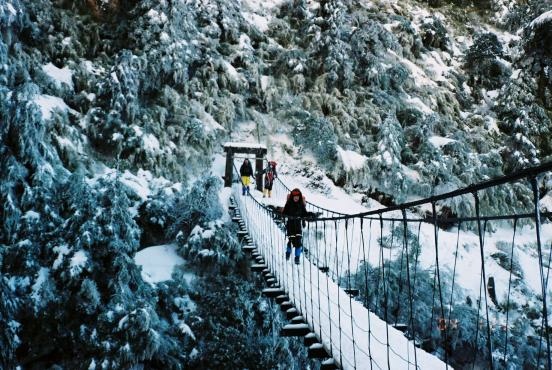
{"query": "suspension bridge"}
(393, 289)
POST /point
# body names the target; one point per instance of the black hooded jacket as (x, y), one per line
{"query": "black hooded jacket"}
(246, 169)
(294, 209)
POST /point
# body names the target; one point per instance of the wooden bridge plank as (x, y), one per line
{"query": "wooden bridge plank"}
(258, 267)
(294, 330)
(317, 350)
(272, 292)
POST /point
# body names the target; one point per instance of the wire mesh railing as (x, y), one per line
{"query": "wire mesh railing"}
(464, 290)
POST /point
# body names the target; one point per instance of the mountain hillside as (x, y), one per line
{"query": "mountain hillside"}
(112, 111)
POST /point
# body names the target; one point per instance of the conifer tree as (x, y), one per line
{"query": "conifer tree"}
(386, 164)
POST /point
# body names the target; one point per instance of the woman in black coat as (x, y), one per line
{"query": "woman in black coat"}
(295, 207)
(246, 171)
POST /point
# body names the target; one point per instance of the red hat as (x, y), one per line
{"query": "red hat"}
(295, 192)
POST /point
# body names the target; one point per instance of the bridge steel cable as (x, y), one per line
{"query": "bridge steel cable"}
(504, 357)
(543, 277)
(484, 279)
(333, 239)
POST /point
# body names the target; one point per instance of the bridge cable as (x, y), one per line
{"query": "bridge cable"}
(449, 321)
(544, 281)
(365, 265)
(349, 287)
(310, 275)
(318, 285)
(397, 307)
(328, 290)
(438, 270)
(410, 297)
(481, 246)
(509, 287)
(384, 292)
(417, 254)
(478, 319)
(338, 295)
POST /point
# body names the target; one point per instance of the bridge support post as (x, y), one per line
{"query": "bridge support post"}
(228, 170)
(259, 159)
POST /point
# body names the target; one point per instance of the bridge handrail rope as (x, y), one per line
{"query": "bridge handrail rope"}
(523, 174)
(288, 189)
(404, 206)
(353, 342)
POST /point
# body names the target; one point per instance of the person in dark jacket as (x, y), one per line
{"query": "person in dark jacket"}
(246, 171)
(295, 207)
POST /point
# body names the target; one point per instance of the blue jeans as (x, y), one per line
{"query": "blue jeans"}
(296, 241)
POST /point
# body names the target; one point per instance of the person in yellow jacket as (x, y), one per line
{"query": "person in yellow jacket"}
(246, 171)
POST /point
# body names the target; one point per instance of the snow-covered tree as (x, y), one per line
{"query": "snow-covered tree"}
(317, 135)
(9, 340)
(525, 123)
(386, 165)
(484, 63)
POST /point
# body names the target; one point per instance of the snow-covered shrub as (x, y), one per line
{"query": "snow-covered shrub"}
(199, 206)
(367, 46)
(394, 77)
(434, 34)
(408, 37)
(212, 246)
(280, 31)
(12, 14)
(154, 217)
(242, 332)
(519, 14)
(289, 62)
(106, 131)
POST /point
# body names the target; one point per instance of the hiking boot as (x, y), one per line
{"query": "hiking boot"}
(296, 260)
(287, 256)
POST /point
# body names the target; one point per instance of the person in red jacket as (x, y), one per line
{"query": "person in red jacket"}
(269, 176)
(295, 207)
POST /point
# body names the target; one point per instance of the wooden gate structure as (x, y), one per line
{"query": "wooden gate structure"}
(259, 150)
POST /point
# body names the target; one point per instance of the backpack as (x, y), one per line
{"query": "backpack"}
(269, 176)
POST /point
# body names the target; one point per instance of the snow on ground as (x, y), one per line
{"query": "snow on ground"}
(158, 262)
(257, 12)
(48, 103)
(439, 141)
(60, 75)
(351, 159)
